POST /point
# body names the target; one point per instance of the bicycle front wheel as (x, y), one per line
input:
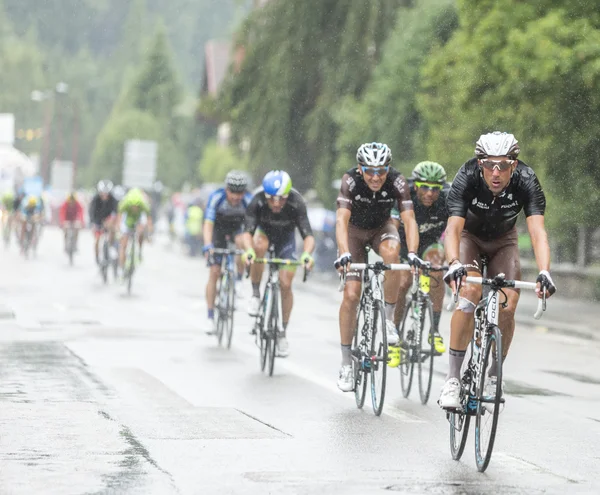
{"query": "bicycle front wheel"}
(426, 350)
(274, 320)
(378, 357)
(261, 330)
(230, 308)
(221, 310)
(488, 407)
(359, 347)
(407, 336)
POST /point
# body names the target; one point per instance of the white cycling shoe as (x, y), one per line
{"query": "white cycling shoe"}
(392, 333)
(489, 389)
(450, 396)
(254, 306)
(283, 347)
(346, 379)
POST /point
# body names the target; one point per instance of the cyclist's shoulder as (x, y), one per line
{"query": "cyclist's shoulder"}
(216, 197)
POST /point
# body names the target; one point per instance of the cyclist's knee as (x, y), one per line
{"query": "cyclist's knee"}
(390, 251)
(351, 295)
(512, 299)
(405, 282)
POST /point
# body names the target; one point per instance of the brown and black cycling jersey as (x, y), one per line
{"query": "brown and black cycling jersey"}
(278, 225)
(372, 209)
(488, 216)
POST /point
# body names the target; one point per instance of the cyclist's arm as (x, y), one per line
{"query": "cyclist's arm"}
(250, 222)
(207, 231)
(454, 228)
(395, 216)
(342, 218)
(411, 229)
(539, 241)
(303, 223)
(309, 243)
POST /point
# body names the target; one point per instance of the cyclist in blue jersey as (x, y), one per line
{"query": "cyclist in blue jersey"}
(223, 219)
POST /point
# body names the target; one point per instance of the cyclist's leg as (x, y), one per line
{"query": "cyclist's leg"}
(97, 228)
(357, 241)
(125, 231)
(405, 283)
(504, 258)
(463, 321)
(260, 244)
(434, 253)
(386, 242)
(214, 266)
(240, 263)
(285, 248)
(141, 229)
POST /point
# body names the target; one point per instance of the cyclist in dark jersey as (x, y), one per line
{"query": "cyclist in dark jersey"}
(367, 195)
(272, 217)
(429, 199)
(223, 222)
(487, 194)
(103, 215)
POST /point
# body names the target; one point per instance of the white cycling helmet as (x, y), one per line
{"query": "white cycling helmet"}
(104, 186)
(497, 144)
(374, 155)
(118, 193)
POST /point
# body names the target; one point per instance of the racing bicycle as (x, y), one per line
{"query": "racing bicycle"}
(267, 324)
(416, 334)
(484, 352)
(369, 346)
(105, 258)
(225, 304)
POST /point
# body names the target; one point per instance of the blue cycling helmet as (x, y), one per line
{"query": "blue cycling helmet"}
(277, 183)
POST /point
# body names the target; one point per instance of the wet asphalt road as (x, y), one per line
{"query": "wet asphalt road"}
(105, 393)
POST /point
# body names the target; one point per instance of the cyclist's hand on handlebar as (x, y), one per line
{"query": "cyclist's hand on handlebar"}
(249, 256)
(415, 261)
(344, 260)
(545, 280)
(207, 249)
(456, 271)
(307, 260)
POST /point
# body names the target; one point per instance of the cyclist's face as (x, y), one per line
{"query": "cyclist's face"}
(427, 196)
(497, 179)
(374, 180)
(103, 196)
(276, 203)
(234, 198)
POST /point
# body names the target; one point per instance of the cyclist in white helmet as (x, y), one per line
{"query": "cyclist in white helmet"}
(103, 215)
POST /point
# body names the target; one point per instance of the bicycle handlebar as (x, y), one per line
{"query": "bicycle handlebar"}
(279, 262)
(517, 284)
(227, 251)
(382, 266)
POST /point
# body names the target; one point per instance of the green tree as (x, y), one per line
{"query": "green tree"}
(301, 59)
(534, 70)
(217, 160)
(387, 110)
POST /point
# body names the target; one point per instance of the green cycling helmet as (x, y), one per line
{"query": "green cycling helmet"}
(431, 172)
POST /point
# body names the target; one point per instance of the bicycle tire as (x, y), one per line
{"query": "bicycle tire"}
(459, 431)
(131, 266)
(407, 365)
(230, 309)
(221, 311)
(426, 350)
(260, 330)
(273, 332)
(358, 373)
(379, 351)
(484, 455)
(104, 268)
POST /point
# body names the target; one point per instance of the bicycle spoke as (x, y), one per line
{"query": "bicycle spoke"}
(426, 350)
(407, 336)
(379, 357)
(486, 420)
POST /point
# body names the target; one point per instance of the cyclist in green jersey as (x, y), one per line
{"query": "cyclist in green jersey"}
(134, 216)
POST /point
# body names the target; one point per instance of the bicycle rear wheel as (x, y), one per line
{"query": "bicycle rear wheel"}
(379, 357)
(488, 408)
(359, 347)
(407, 335)
(272, 349)
(426, 350)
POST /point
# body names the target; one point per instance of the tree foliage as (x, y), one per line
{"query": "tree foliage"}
(301, 58)
(534, 70)
(217, 160)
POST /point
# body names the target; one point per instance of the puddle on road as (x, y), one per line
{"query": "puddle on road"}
(578, 377)
(522, 389)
